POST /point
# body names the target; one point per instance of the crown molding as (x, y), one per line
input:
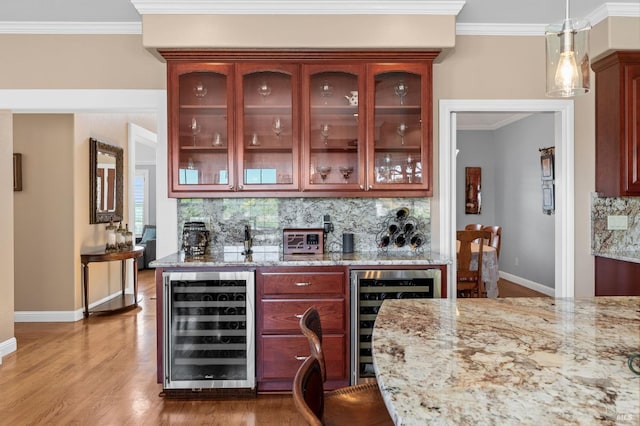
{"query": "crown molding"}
(296, 7)
(501, 29)
(613, 9)
(51, 27)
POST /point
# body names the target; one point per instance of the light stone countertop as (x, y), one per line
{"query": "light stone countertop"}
(266, 256)
(514, 361)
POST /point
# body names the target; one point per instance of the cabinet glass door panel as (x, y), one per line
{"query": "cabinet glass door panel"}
(268, 128)
(200, 134)
(396, 130)
(334, 142)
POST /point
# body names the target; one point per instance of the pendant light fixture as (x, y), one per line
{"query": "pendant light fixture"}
(567, 47)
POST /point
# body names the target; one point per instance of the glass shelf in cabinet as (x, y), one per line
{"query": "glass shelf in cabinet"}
(205, 108)
(267, 109)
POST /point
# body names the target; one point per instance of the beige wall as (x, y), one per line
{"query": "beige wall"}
(43, 213)
(617, 33)
(6, 227)
(299, 31)
(78, 62)
(58, 145)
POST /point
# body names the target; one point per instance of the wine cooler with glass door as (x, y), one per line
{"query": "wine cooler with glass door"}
(209, 330)
(369, 288)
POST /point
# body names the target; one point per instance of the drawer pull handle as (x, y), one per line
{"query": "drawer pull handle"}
(300, 358)
(304, 284)
(299, 316)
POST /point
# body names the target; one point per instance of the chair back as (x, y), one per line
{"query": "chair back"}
(473, 227)
(468, 279)
(311, 327)
(308, 391)
(496, 237)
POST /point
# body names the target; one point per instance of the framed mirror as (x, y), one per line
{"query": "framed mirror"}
(105, 182)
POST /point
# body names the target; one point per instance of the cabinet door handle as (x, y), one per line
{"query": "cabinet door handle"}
(370, 186)
(300, 358)
(240, 187)
(362, 187)
(299, 316)
(306, 284)
(231, 187)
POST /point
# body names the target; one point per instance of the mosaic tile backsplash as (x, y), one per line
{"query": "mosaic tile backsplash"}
(615, 241)
(366, 218)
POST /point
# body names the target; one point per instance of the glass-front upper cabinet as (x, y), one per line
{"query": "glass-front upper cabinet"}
(200, 135)
(399, 128)
(268, 127)
(334, 99)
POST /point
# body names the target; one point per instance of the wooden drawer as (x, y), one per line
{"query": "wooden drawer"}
(316, 282)
(281, 356)
(283, 316)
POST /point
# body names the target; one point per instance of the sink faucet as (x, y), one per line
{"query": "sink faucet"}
(248, 241)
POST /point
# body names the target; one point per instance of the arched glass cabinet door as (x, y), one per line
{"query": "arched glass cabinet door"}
(334, 143)
(201, 138)
(399, 132)
(268, 129)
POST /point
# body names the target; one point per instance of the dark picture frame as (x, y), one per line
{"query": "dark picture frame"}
(17, 172)
(548, 198)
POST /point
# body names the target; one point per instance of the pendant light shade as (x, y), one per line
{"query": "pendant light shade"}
(567, 46)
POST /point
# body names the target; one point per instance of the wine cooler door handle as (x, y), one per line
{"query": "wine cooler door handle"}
(300, 358)
(302, 284)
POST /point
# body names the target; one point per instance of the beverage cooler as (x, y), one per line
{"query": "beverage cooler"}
(369, 288)
(209, 330)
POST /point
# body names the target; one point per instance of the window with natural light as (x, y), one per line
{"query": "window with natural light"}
(141, 200)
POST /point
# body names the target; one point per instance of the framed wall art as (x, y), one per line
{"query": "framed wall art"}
(546, 164)
(17, 172)
(548, 198)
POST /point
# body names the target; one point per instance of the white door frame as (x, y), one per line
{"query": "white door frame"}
(564, 142)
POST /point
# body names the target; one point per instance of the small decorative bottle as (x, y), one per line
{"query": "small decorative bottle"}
(112, 243)
(128, 237)
(120, 237)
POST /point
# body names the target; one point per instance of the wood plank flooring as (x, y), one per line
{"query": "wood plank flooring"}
(509, 289)
(102, 371)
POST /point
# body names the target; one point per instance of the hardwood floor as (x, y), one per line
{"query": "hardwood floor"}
(509, 289)
(102, 371)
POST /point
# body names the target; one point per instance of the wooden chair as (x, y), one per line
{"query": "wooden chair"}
(473, 227)
(351, 405)
(496, 237)
(469, 281)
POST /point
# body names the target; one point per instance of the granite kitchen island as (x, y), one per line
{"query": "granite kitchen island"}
(517, 361)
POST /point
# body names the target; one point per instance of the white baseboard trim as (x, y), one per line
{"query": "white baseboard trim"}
(58, 316)
(529, 284)
(7, 347)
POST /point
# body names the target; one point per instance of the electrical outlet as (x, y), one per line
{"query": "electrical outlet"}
(617, 222)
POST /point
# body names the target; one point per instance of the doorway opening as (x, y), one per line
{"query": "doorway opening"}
(564, 142)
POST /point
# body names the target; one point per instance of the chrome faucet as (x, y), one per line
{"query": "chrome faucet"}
(248, 241)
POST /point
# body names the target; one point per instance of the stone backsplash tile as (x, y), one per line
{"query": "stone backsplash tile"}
(604, 240)
(364, 217)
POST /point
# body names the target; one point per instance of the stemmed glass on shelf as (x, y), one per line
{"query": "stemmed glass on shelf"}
(195, 129)
(401, 89)
(402, 130)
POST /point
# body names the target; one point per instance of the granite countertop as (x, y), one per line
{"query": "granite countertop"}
(518, 361)
(261, 256)
(627, 256)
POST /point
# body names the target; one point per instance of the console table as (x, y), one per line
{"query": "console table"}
(118, 303)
